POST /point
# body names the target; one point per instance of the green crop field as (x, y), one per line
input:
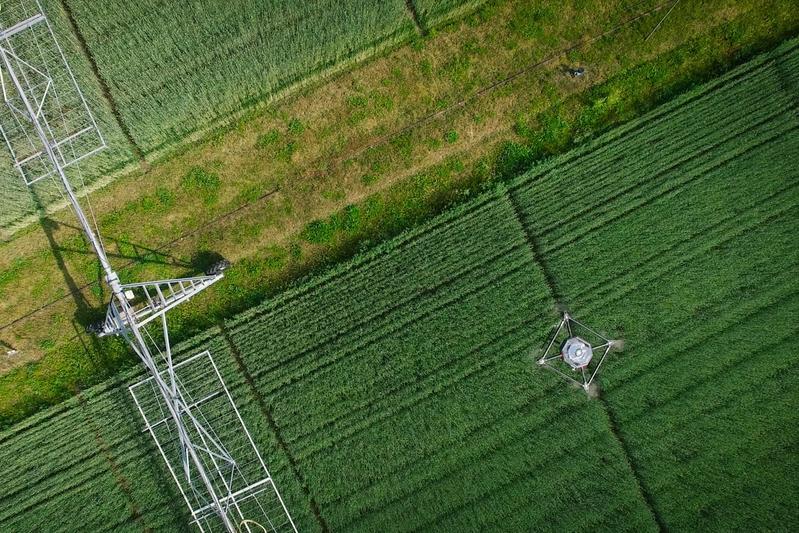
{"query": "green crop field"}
(684, 242)
(168, 82)
(165, 83)
(399, 391)
(15, 197)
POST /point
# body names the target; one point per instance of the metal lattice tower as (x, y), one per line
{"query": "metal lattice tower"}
(187, 409)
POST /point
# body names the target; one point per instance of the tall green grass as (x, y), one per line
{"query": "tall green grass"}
(402, 385)
(176, 67)
(16, 198)
(677, 232)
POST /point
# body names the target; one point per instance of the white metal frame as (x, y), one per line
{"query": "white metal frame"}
(48, 127)
(35, 83)
(552, 357)
(244, 485)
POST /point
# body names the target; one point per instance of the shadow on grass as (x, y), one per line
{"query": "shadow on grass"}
(85, 312)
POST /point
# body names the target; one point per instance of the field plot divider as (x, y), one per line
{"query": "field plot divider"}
(105, 90)
(267, 413)
(534, 246)
(540, 260)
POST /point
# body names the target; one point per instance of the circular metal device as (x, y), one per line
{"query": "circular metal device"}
(576, 352)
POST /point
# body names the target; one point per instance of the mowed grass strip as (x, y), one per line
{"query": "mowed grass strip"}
(685, 247)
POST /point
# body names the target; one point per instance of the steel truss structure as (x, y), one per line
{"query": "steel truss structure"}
(235, 466)
(572, 352)
(48, 127)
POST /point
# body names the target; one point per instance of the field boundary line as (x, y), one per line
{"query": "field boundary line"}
(626, 166)
(270, 419)
(413, 12)
(447, 277)
(341, 270)
(534, 246)
(643, 490)
(105, 89)
(119, 477)
(539, 259)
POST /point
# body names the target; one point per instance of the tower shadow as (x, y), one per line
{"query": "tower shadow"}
(85, 312)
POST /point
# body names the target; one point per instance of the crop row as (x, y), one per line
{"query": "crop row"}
(686, 248)
(91, 453)
(423, 258)
(694, 232)
(96, 452)
(174, 68)
(394, 393)
(399, 390)
(721, 412)
(515, 466)
(425, 460)
(383, 293)
(414, 349)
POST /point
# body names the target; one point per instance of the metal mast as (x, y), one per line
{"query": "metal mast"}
(187, 408)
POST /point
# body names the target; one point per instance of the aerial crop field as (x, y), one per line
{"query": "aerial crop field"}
(396, 363)
(249, 192)
(91, 454)
(16, 198)
(399, 391)
(151, 83)
(681, 236)
(237, 54)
